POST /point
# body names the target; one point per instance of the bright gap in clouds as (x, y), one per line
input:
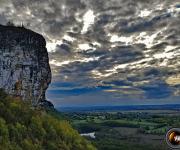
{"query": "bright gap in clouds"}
(116, 38)
(145, 38)
(66, 62)
(84, 47)
(88, 20)
(144, 13)
(51, 46)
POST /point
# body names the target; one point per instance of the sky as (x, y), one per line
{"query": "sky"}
(115, 52)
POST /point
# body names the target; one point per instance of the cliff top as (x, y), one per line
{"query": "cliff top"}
(16, 33)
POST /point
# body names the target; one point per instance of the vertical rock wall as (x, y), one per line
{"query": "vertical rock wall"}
(24, 64)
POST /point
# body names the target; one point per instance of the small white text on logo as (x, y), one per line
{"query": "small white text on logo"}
(177, 138)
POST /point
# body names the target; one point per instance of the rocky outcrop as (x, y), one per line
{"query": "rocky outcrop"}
(24, 64)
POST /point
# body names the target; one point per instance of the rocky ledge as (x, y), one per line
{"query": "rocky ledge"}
(24, 65)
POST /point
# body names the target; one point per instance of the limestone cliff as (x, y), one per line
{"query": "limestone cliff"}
(24, 64)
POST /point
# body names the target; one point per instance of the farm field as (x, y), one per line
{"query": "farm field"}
(130, 130)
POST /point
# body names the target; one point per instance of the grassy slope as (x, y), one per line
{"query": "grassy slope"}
(25, 128)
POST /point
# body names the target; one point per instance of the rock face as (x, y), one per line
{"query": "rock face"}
(24, 64)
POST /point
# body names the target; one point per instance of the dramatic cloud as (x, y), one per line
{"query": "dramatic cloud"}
(106, 52)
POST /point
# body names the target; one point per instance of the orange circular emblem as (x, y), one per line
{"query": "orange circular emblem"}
(173, 138)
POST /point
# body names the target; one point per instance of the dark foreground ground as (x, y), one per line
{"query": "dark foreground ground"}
(127, 130)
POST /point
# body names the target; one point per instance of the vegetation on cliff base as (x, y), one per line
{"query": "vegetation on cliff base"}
(26, 128)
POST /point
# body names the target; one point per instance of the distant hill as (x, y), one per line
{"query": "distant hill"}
(120, 108)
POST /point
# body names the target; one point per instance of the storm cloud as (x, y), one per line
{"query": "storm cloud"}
(125, 51)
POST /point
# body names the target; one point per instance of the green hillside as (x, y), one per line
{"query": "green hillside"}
(26, 128)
